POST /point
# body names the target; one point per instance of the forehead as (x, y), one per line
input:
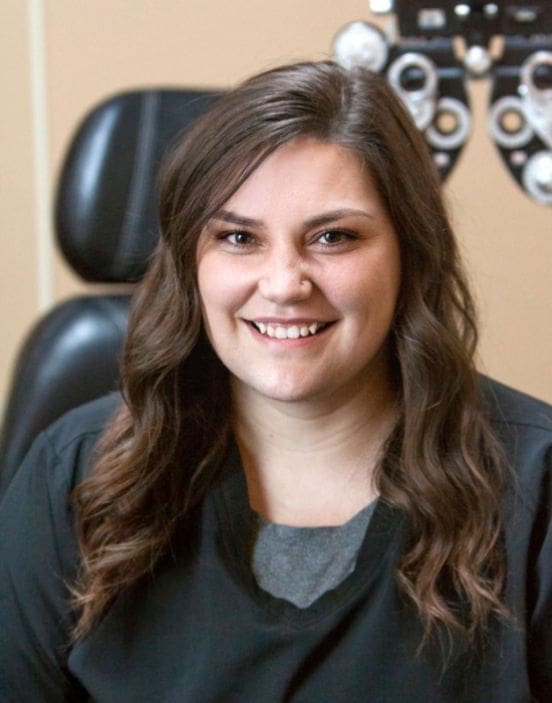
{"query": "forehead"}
(306, 174)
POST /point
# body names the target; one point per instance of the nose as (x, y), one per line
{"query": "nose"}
(284, 279)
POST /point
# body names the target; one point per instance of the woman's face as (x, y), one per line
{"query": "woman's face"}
(299, 275)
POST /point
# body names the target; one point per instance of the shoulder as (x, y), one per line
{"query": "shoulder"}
(36, 508)
(89, 419)
(72, 438)
(507, 406)
(60, 456)
(523, 425)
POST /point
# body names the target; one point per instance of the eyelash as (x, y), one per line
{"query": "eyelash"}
(225, 237)
(344, 236)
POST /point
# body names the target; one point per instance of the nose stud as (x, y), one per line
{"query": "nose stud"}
(285, 283)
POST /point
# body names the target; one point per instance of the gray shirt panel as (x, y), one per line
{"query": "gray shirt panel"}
(300, 564)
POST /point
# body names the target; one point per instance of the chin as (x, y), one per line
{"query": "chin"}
(284, 390)
(286, 394)
(294, 392)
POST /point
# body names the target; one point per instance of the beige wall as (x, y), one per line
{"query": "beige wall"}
(60, 57)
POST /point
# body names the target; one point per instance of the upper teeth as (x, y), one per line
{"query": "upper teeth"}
(291, 332)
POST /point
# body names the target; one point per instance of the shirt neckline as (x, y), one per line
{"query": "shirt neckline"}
(359, 515)
(236, 522)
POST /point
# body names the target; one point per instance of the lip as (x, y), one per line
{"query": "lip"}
(288, 322)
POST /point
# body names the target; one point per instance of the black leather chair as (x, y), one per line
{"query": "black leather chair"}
(106, 227)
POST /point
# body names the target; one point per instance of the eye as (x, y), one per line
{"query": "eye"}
(238, 239)
(334, 237)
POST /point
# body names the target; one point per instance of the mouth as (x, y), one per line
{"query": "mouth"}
(294, 331)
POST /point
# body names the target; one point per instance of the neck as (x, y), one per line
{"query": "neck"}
(312, 462)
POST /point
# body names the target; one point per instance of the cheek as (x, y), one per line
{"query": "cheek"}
(211, 282)
(209, 294)
(220, 286)
(368, 285)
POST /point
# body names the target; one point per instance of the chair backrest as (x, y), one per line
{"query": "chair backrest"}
(106, 226)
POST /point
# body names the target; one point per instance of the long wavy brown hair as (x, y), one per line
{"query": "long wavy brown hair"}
(442, 465)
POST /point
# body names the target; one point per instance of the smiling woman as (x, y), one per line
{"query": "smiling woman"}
(299, 306)
(306, 492)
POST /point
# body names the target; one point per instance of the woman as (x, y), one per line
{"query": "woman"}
(307, 494)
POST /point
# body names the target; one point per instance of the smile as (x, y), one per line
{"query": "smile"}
(278, 331)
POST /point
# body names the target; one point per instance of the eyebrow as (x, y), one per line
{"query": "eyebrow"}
(316, 221)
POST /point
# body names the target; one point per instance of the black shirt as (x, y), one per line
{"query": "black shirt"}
(200, 630)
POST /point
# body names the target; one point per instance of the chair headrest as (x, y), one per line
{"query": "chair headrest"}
(106, 203)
